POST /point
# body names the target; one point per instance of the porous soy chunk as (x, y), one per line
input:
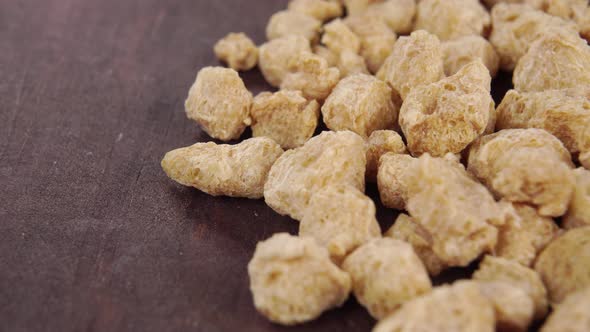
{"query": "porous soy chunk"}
(392, 179)
(310, 74)
(379, 143)
(289, 22)
(376, 38)
(237, 50)
(338, 37)
(578, 212)
(276, 55)
(461, 51)
(320, 9)
(572, 315)
(513, 307)
(451, 19)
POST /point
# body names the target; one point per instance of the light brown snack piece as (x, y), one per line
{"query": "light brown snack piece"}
(379, 143)
(448, 115)
(578, 212)
(285, 116)
(276, 55)
(406, 229)
(238, 170)
(557, 60)
(319, 9)
(460, 307)
(220, 103)
(293, 281)
(577, 11)
(564, 265)
(415, 60)
(331, 158)
(463, 50)
(357, 7)
(237, 50)
(572, 315)
(360, 103)
(377, 39)
(502, 270)
(451, 19)
(386, 273)
(338, 37)
(310, 74)
(392, 179)
(513, 307)
(289, 22)
(351, 63)
(330, 57)
(525, 166)
(397, 14)
(340, 218)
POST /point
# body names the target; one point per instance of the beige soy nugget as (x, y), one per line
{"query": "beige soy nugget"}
(415, 60)
(564, 265)
(338, 37)
(360, 103)
(502, 270)
(310, 74)
(406, 229)
(319, 9)
(578, 212)
(386, 273)
(574, 10)
(513, 307)
(285, 116)
(275, 56)
(377, 39)
(572, 315)
(340, 218)
(351, 63)
(293, 281)
(461, 51)
(357, 7)
(460, 307)
(220, 103)
(397, 14)
(379, 143)
(392, 179)
(451, 19)
(289, 22)
(331, 158)
(237, 50)
(324, 52)
(231, 170)
(448, 115)
(557, 60)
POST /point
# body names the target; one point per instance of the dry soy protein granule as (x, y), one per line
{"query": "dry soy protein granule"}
(572, 315)
(319, 9)
(451, 19)
(285, 116)
(391, 179)
(351, 63)
(275, 55)
(340, 218)
(324, 52)
(377, 39)
(338, 37)
(379, 143)
(464, 50)
(397, 14)
(220, 103)
(578, 212)
(513, 307)
(288, 22)
(310, 74)
(237, 50)
(293, 280)
(385, 274)
(577, 11)
(238, 170)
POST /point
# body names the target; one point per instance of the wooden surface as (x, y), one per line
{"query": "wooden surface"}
(93, 236)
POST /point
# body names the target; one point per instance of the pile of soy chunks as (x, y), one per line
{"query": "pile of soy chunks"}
(404, 87)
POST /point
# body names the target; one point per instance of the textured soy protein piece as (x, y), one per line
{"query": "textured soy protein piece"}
(464, 50)
(408, 230)
(357, 7)
(330, 158)
(578, 212)
(577, 11)
(385, 274)
(340, 218)
(377, 39)
(275, 56)
(513, 307)
(289, 22)
(338, 37)
(556, 60)
(220, 103)
(360, 103)
(231, 170)
(564, 265)
(451, 19)
(285, 116)
(503, 270)
(392, 179)
(415, 60)
(397, 14)
(448, 115)
(310, 74)
(526, 166)
(460, 307)
(351, 63)
(379, 143)
(237, 50)
(319, 9)
(293, 281)
(572, 315)
(324, 52)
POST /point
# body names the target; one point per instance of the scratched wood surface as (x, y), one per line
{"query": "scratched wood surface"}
(93, 236)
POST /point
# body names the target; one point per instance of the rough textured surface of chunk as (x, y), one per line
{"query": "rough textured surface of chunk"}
(285, 116)
(275, 56)
(237, 50)
(392, 179)
(351, 63)
(448, 115)
(330, 57)
(340, 218)
(232, 170)
(377, 39)
(572, 315)
(457, 308)
(513, 307)
(415, 60)
(385, 274)
(503, 270)
(360, 103)
(461, 51)
(526, 166)
(338, 37)
(310, 74)
(451, 19)
(577, 11)
(578, 213)
(379, 143)
(564, 265)
(293, 280)
(330, 158)
(289, 22)
(220, 103)
(320, 9)
(397, 14)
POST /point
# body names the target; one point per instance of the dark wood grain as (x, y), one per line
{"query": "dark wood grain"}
(93, 236)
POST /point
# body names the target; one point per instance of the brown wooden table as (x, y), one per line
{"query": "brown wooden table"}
(93, 236)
